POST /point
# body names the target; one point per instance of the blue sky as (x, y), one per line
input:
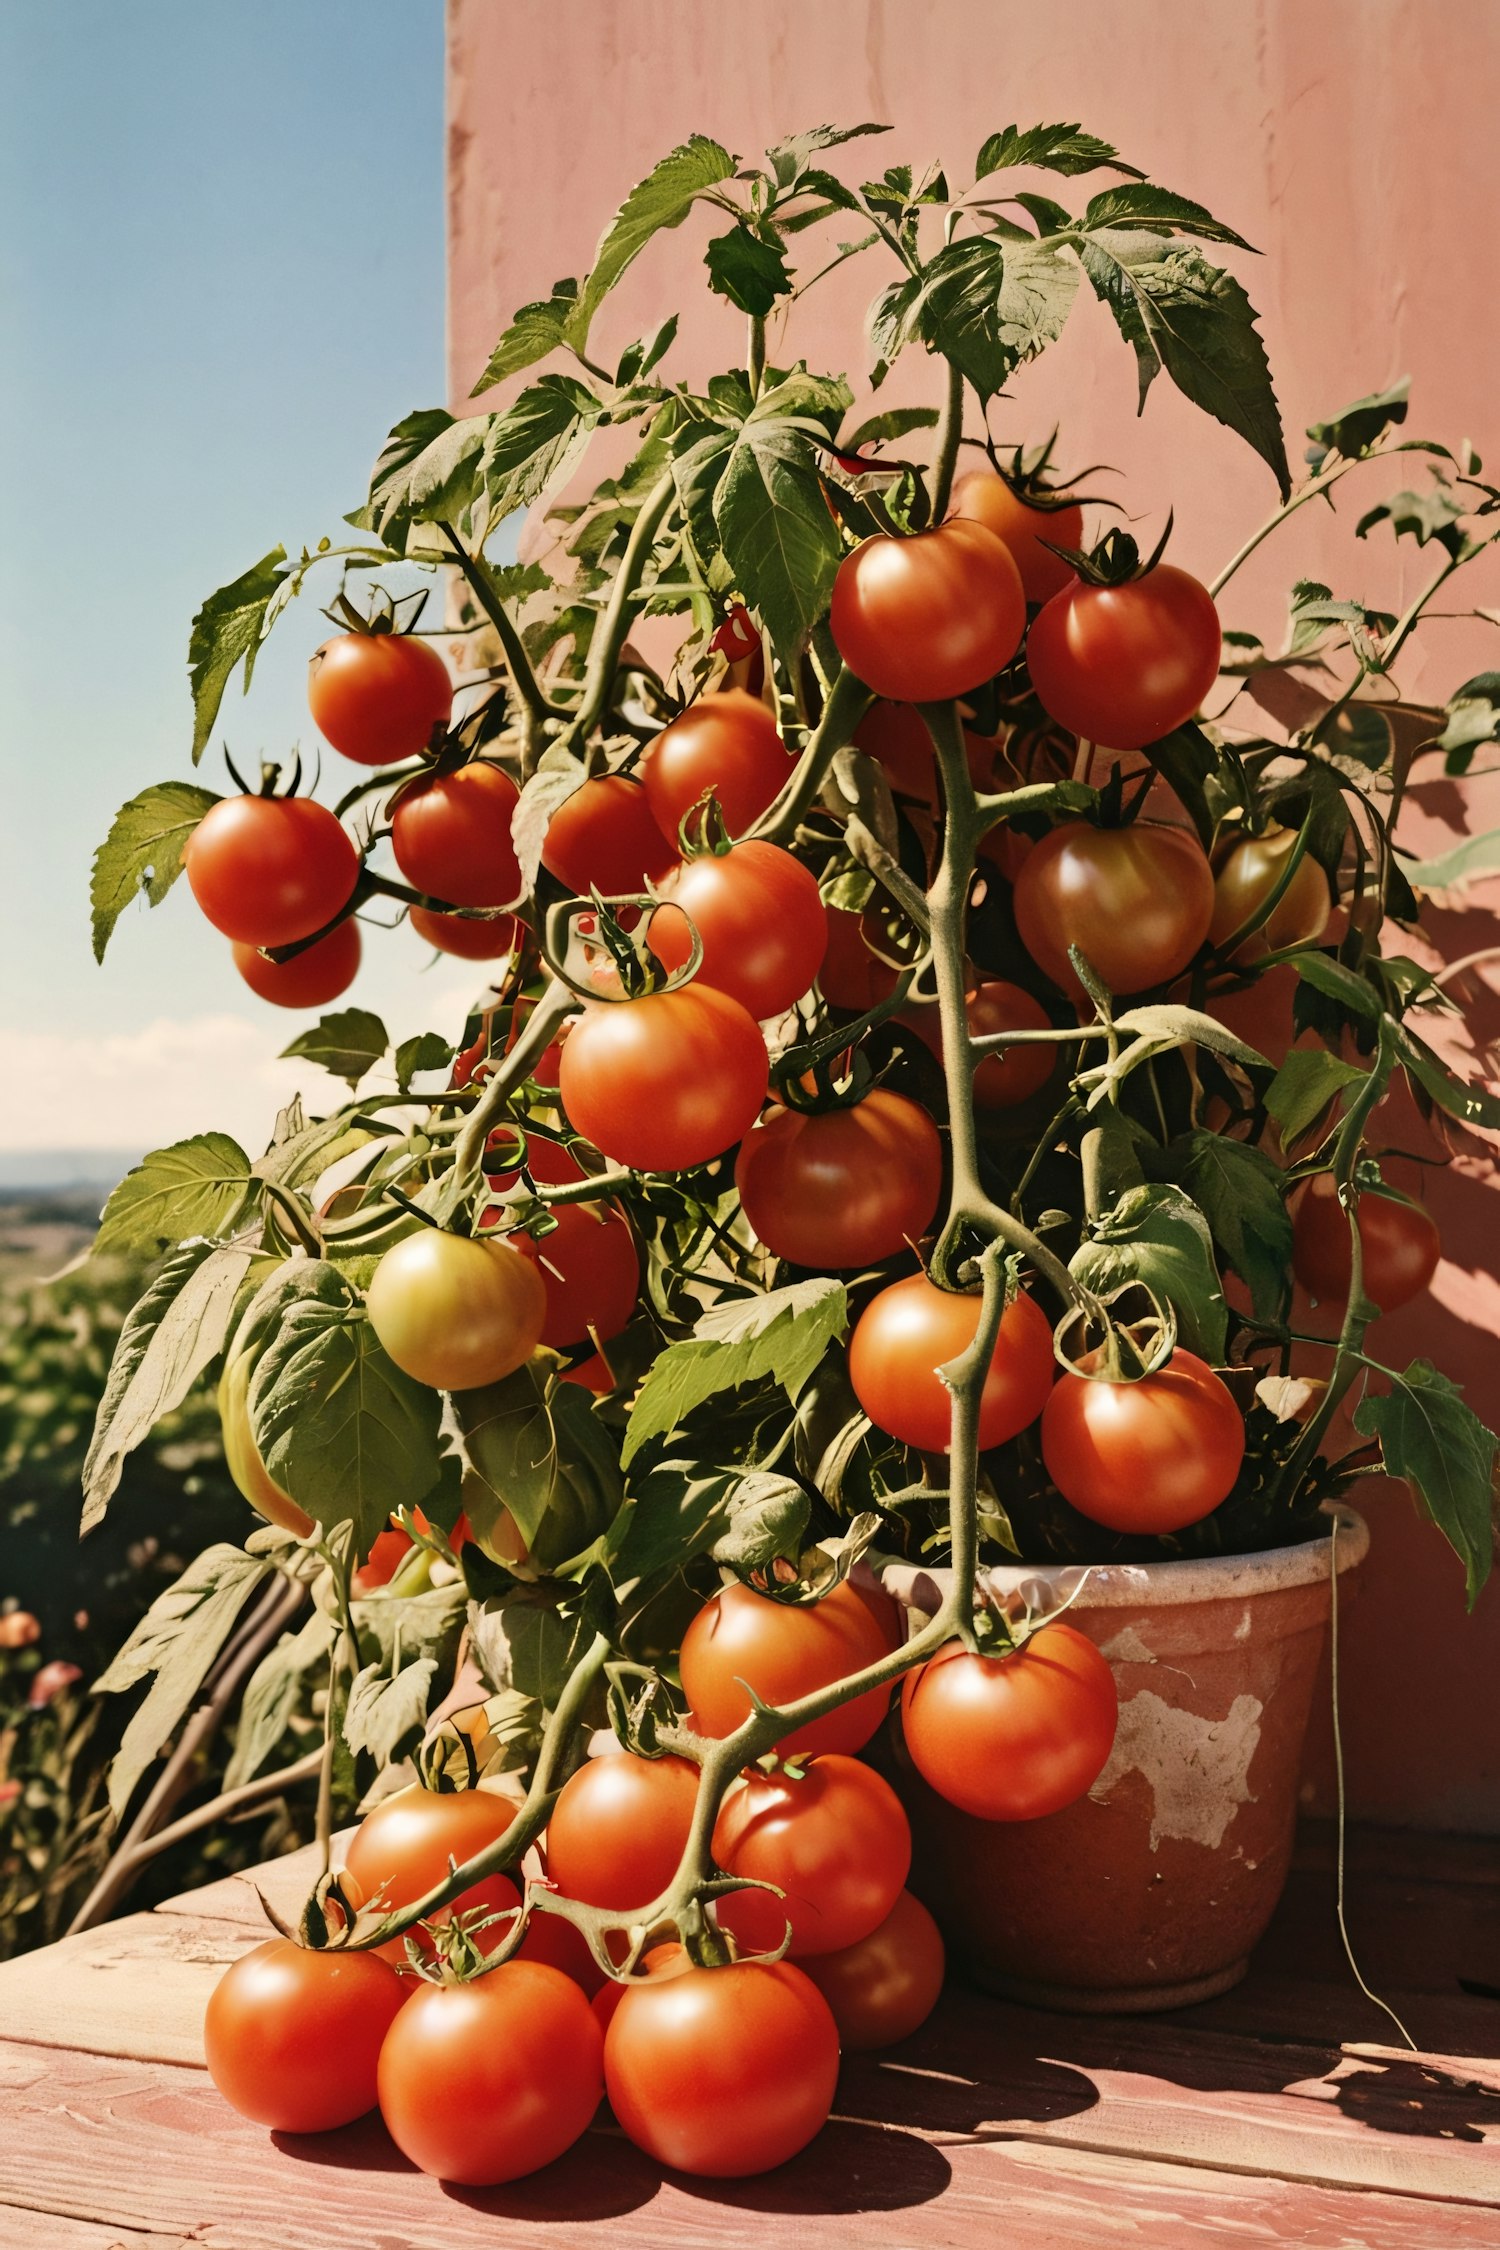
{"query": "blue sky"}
(222, 277)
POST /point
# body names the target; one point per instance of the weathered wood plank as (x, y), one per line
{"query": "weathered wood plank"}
(44, 2230)
(137, 1987)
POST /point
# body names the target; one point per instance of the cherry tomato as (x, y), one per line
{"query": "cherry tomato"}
(728, 743)
(851, 976)
(1121, 666)
(292, 2037)
(845, 1188)
(722, 2072)
(450, 833)
(617, 1831)
(456, 1313)
(270, 870)
(241, 1455)
(833, 1838)
(388, 1553)
(1400, 1246)
(591, 1270)
(1248, 876)
(763, 926)
(1012, 1737)
(378, 697)
(785, 1650)
(1003, 1080)
(913, 1328)
(310, 979)
(468, 937)
(664, 1083)
(487, 2081)
(894, 733)
(983, 497)
(1136, 901)
(884, 1987)
(604, 839)
(926, 618)
(1151, 1456)
(400, 1851)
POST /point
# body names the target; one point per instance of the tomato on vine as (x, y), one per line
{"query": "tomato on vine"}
(911, 1329)
(451, 835)
(842, 1188)
(785, 1650)
(401, 1850)
(270, 870)
(884, 1987)
(665, 1082)
(727, 743)
(833, 1839)
(759, 917)
(1136, 901)
(378, 697)
(310, 979)
(619, 1827)
(1245, 880)
(469, 937)
(456, 1313)
(590, 1269)
(896, 735)
(1399, 1245)
(1122, 665)
(1029, 531)
(928, 617)
(851, 976)
(1012, 1075)
(292, 2037)
(1012, 1737)
(603, 838)
(1149, 1456)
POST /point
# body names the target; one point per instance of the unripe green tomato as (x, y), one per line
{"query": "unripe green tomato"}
(456, 1313)
(242, 1458)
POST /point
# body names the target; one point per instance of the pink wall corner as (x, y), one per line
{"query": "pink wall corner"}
(1353, 142)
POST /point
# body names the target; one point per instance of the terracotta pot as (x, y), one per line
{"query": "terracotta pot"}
(1152, 1890)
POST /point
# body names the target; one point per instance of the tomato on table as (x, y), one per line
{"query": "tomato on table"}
(378, 697)
(1012, 1737)
(831, 1836)
(292, 2037)
(401, 1850)
(1121, 666)
(1399, 1245)
(270, 870)
(883, 1988)
(1149, 1456)
(785, 1650)
(842, 1188)
(1136, 901)
(911, 1329)
(928, 617)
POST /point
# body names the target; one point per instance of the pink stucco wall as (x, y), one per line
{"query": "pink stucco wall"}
(1353, 142)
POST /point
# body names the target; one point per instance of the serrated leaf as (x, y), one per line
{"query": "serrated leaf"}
(1166, 1021)
(1354, 429)
(1327, 975)
(697, 472)
(427, 1050)
(1439, 1447)
(778, 1336)
(788, 159)
(556, 779)
(991, 307)
(882, 429)
(273, 1695)
(663, 199)
(768, 1517)
(1240, 1193)
(890, 325)
(512, 1451)
(349, 1043)
(1307, 1082)
(780, 541)
(428, 472)
(1136, 203)
(749, 271)
(536, 442)
(1051, 148)
(677, 1510)
(534, 331)
(385, 1713)
(143, 851)
(228, 630)
(1471, 1105)
(195, 1187)
(1157, 1236)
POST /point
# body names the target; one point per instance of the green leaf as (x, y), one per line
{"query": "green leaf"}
(428, 472)
(1307, 1082)
(274, 1694)
(1431, 515)
(1473, 717)
(535, 331)
(178, 1640)
(1052, 148)
(749, 271)
(143, 851)
(1137, 204)
(991, 308)
(1158, 1237)
(1331, 977)
(789, 158)
(890, 325)
(882, 429)
(537, 442)
(1470, 1104)
(1440, 1448)
(1167, 1023)
(556, 779)
(169, 1336)
(1240, 1193)
(229, 628)
(385, 1712)
(1186, 760)
(697, 472)
(678, 1509)
(349, 1043)
(778, 1336)
(663, 199)
(1476, 855)
(768, 1517)
(1356, 428)
(526, 1642)
(428, 1050)
(780, 541)
(194, 1187)
(512, 1451)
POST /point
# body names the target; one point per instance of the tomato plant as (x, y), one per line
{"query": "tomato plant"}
(450, 833)
(884, 1987)
(1137, 902)
(292, 2037)
(1010, 1076)
(761, 922)
(925, 618)
(378, 697)
(270, 870)
(401, 1850)
(728, 744)
(832, 1838)
(456, 1313)
(665, 1082)
(1012, 1737)
(1153, 1455)
(784, 1650)
(618, 1829)
(1399, 1245)
(842, 1188)
(603, 838)
(310, 979)
(1122, 666)
(1030, 532)
(911, 1329)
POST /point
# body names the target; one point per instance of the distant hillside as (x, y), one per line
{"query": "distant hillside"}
(95, 1169)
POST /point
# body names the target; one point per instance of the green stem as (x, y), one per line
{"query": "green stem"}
(848, 701)
(755, 354)
(546, 1019)
(527, 685)
(1310, 491)
(614, 627)
(950, 430)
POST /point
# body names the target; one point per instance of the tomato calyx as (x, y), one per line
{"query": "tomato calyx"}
(387, 613)
(1028, 472)
(1116, 560)
(1130, 1350)
(637, 969)
(703, 832)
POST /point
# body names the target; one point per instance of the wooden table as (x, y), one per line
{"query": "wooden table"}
(1278, 2114)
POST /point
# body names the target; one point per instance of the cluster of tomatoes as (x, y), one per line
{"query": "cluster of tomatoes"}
(485, 2072)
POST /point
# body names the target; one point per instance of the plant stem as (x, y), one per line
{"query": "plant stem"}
(848, 701)
(755, 353)
(950, 430)
(1310, 491)
(614, 627)
(526, 683)
(548, 1016)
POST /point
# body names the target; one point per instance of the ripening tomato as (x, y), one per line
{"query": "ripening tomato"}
(851, 977)
(1150, 1456)
(401, 1850)
(913, 1328)
(378, 697)
(883, 1988)
(927, 618)
(1247, 878)
(983, 497)
(1012, 1737)
(292, 2037)
(844, 1188)
(785, 1650)
(895, 734)
(664, 1083)
(450, 833)
(722, 2072)
(387, 1553)
(763, 926)
(311, 978)
(456, 1313)
(591, 1270)
(726, 743)
(242, 1457)
(486, 2081)
(270, 870)
(1136, 901)
(1012, 1076)
(832, 1838)
(1399, 1245)
(617, 1831)
(1121, 666)
(603, 838)
(469, 937)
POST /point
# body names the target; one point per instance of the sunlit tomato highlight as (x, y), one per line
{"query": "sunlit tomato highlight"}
(1013, 1737)
(1029, 532)
(1136, 901)
(401, 1850)
(1150, 1456)
(785, 1651)
(292, 2037)
(270, 870)
(833, 1839)
(926, 618)
(913, 1328)
(618, 1829)
(1122, 666)
(456, 1313)
(664, 1083)
(378, 697)
(759, 918)
(603, 838)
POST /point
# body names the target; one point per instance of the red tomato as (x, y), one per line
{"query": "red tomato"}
(926, 618)
(1123, 665)
(1400, 1246)
(833, 1838)
(378, 697)
(894, 733)
(604, 839)
(1136, 901)
(1246, 879)
(400, 1851)
(886, 1986)
(983, 497)
(722, 2072)
(617, 1831)
(270, 870)
(292, 2037)
(1151, 1456)
(310, 979)
(451, 836)
(728, 743)
(456, 1313)
(591, 1269)
(1012, 1737)
(661, 1960)
(763, 926)
(664, 1083)
(380, 1566)
(487, 2081)
(1004, 1080)
(784, 1650)
(913, 1328)
(467, 936)
(593, 1374)
(851, 976)
(845, 1188)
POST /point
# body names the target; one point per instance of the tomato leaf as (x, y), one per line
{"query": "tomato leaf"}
(143, 851)
(428, 472)
(1304, 1086)
(991, 307)
(778, 1336)
(677, 1508)
(537, 442)
(1355, 429)
(882, 429)
(768, 1517)
(1329, 976)
(349, 1043)
(789, 159)
(1167, 1023)
(1157, 1236)
(1186, 760)
(749, 271)
(1439, 1447)
(1240, 1193)
(1137, 204)
(535, 330)
(386, 1711)
(1052, 148)
(663, 199)
(512, 1452)
(228, 630)
(428, 1050)
(274, 1693)
(194, 1187)
(1475, 855)
(1472, 1105)
(780, 541)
